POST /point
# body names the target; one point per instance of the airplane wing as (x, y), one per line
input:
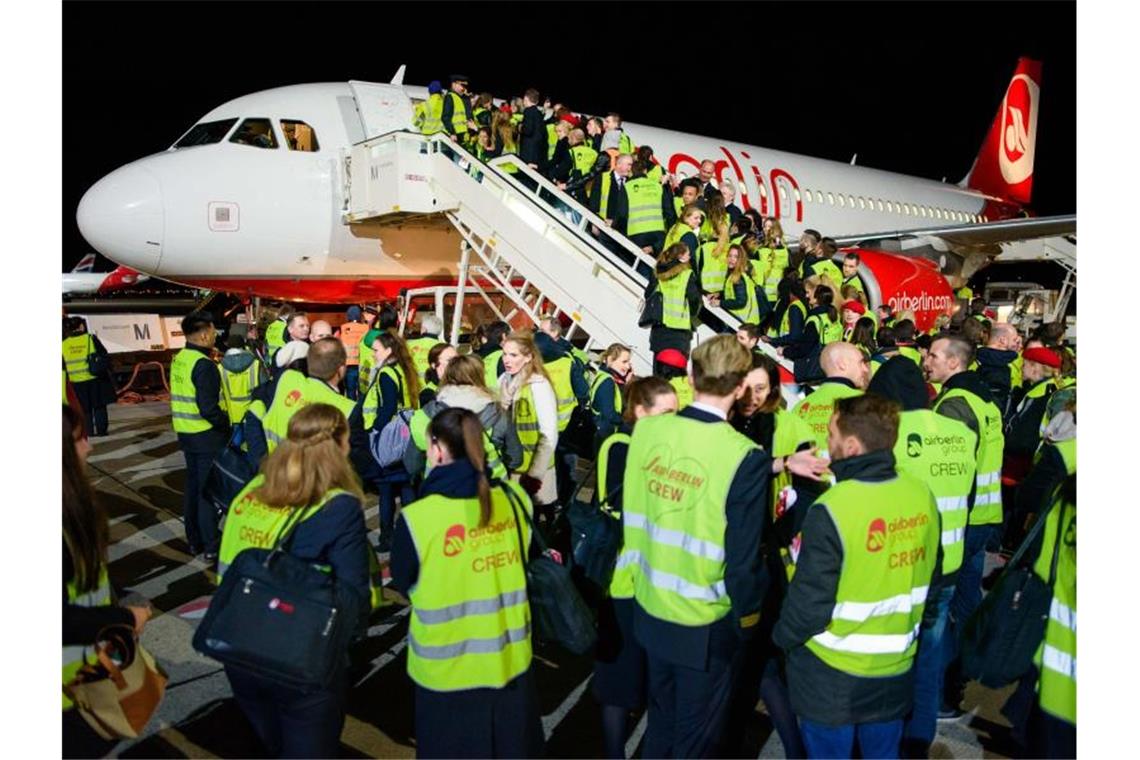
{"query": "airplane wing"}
(972, 237)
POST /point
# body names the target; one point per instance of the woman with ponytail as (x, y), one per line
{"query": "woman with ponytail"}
(395, 386)
(308, 472)
(458, 555)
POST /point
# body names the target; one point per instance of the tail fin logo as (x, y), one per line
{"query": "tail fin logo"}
(1018, 129)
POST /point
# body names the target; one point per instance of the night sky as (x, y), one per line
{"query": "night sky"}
(910, 87)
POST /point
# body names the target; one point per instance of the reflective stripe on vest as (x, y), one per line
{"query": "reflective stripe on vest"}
(432, 114)
(237, 388)
(644, 206)
(939, 451)
(525, 417)
(750, 312)
(584, 158)
(987, 509)
(73, 655)
(596, 384)
(183, 394)
(714, 269)
(76, 349)
(778, 262)
(674, 304)
(559, 371)
(372, 400)
(604, 200)
(470, 621)
(674, 498)
(829, 331)
(889, 533)
(621, 584)
(1056, 657)
(458, 113)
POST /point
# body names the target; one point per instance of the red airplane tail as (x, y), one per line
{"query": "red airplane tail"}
(1004, 166)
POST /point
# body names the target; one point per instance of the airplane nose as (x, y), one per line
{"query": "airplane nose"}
(121, 216)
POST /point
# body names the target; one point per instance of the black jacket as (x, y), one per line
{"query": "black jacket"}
(532, 138)
(561, 163)
(1023, 429)
(819, 692)
(994, 368)
(957, 408)
(746, 578)
(661, 337)
(207, 394)
(617, 206)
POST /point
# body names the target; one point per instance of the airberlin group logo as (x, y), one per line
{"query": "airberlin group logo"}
(292, 399)
(914, 445)
(1018, 129)
(454, 540)
(876, 535)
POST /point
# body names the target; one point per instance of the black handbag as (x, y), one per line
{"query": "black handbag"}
(230, 472)
(556, 608)
(653, 313)
(595, 538)
(97, 364)
(578, 437)
(1001, 637)
(280, 618)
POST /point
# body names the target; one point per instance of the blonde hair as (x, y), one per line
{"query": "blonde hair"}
(310, 462)
(743, 264)
(776, 231)
(719, 365)
(465, 370)
(614, 351)
(525, 342)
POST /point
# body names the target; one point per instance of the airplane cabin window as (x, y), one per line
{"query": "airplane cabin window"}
(862, 204)
(206, 133)
(818, 196)
(880, 202)
(807, 196)
(830, 199)
(255, 132)
(299, 136)
(851, 201)
(841, 201)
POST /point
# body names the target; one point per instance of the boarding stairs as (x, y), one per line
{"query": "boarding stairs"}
(1061, 249)
(522, 237)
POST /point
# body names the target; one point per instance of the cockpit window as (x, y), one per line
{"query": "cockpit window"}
(255, 132)
(206, 133)
(299, 136)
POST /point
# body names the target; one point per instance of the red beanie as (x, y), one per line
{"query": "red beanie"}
(673, 358)
(1041, 355)
(855, 306)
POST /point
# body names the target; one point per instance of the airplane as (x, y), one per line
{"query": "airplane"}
(82, 280)
(249, 200)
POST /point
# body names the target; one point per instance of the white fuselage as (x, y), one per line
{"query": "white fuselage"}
(267, 220)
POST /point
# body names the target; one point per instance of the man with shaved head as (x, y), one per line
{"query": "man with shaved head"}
(847, 373)
(998, 364)
(318, 330)
(966, 397)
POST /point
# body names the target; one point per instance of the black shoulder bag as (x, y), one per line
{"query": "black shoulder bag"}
(1001, 637)
(595, 536)
(230, 472)
(279, 617)
(556, 608)
(97, 364)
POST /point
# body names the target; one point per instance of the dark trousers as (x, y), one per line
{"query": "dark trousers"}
(877, 740)
(292, 723)
(480, 722)
(928, 670)
(351, 379)
(687, 708)
(94, 410)
(393, 479)
(197, 513)
(80, 740)
(967, 596)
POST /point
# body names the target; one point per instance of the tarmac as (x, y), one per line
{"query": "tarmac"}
(138, 472)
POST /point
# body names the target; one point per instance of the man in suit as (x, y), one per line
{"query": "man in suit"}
(532, 132)
(611, 188)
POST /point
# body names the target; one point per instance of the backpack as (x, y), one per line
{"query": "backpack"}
(389, 444)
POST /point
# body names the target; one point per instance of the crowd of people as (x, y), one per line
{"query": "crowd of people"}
(824, 560)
